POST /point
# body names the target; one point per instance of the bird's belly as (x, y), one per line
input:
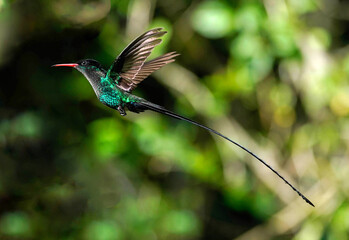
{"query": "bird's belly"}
(111, 100)
(116, 99)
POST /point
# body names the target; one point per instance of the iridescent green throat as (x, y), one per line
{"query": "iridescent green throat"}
(112, 96)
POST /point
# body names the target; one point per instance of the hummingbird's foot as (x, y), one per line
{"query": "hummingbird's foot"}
(121, 111)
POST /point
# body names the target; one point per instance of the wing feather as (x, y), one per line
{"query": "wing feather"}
(131, 65)
(154, 65)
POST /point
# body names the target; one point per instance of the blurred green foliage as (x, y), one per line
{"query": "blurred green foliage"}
(270, 74)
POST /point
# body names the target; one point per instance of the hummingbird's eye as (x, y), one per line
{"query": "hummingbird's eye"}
(83, 63)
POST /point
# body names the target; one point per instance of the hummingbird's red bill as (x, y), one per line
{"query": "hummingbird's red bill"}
(65, 65)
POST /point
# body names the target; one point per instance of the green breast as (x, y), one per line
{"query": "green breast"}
(114, 97)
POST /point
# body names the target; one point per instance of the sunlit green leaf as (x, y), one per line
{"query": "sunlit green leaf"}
(16, 224)
(107, 136)
(103, 230)
(213, 19)
(181, 222)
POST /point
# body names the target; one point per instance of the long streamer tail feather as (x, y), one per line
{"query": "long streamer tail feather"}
(146, 105)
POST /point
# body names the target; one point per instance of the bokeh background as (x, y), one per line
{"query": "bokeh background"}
(270, 74)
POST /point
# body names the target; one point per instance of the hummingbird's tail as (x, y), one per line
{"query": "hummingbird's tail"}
(146, 105)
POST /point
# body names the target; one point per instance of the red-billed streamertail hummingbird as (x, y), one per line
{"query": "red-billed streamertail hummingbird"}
(114, 87)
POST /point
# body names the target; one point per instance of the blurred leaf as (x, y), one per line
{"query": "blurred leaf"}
(28, 125)
(323, 36)
(282, 95)
(103, 230)
(120, 5)
(284, 116)
(15, 224)
(249, 18)
(302, 7)
(340, 222)
(310, 231)
(247, 46)
(181, 222)
(282, 37)
(107, 137)
(340, 103)
(80, 13)
(213, 19)
(3, 4)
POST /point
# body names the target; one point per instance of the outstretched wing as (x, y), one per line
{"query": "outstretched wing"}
(130, 68)
(153, 65)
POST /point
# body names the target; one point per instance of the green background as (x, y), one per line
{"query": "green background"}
(270, 74)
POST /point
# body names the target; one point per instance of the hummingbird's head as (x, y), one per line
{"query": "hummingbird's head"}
(90, 68)
(88, 65)
(84, 66)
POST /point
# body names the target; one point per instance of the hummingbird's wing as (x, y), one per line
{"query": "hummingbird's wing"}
(130, 68)
(153, 65)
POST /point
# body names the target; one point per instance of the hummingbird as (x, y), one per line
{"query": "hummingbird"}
(113, 87)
